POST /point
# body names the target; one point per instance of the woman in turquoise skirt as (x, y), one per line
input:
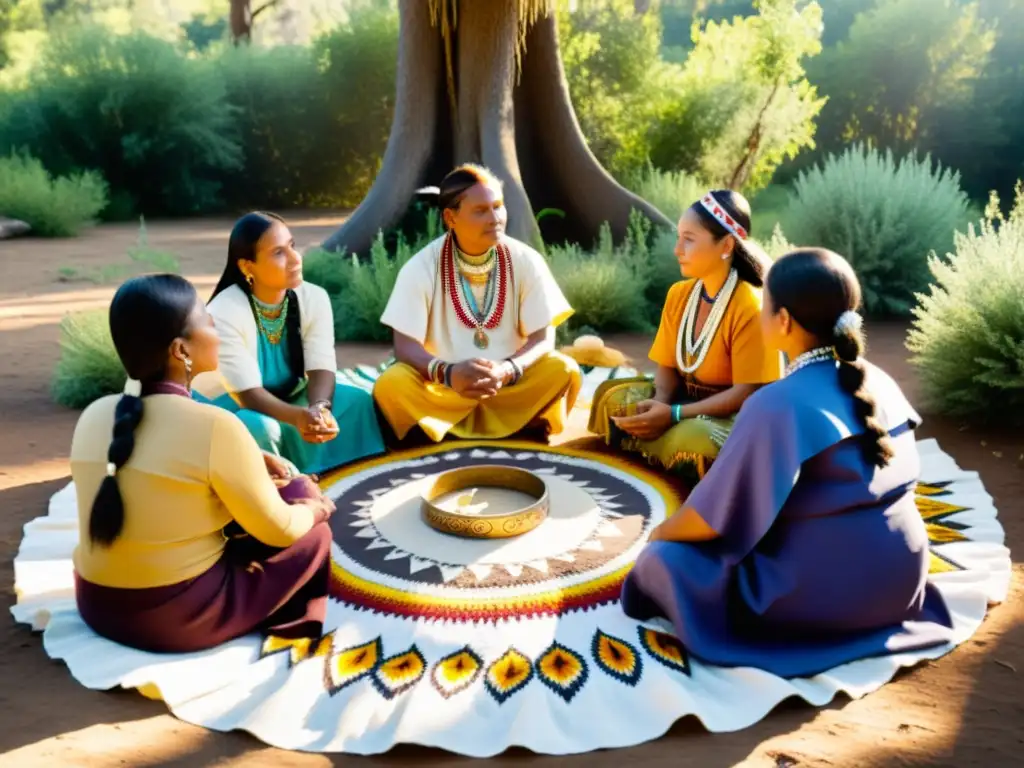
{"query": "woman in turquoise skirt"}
(277, 363)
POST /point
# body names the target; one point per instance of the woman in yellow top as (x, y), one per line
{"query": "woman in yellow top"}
(155, 568)
(709, 349)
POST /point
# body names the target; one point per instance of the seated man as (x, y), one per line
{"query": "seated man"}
(474, 317)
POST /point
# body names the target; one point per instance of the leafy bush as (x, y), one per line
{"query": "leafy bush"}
(358, 62)
(88, 367)
(281, 124)
(53, 207)
(671, 192)
(967, 337)
(313, 121)
(741, 102)
(607, 287)
(884, 215)
(617, 80)
(360, 290)
(155, 123)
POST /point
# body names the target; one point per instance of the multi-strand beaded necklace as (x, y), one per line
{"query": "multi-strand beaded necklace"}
(460, 272)
(696, 349)
(271, 318)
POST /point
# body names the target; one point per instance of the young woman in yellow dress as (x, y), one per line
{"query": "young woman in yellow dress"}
(709, 348)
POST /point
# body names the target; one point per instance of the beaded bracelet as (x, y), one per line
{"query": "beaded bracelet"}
(439, 372)
(517, 371)
(677, 414)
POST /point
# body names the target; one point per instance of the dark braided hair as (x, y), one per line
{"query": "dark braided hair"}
(245, 236)
(146, 315)
(751, 263)
(817, 287)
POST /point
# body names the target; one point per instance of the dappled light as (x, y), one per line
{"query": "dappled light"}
(603, 315)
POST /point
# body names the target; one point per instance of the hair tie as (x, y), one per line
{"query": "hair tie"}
(849, 323)
(111, 469)
(712, 206)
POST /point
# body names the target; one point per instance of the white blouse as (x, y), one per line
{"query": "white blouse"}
(419, 308)
(239, 369)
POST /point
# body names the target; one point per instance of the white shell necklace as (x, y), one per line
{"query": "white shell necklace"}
(810, 357)
(697, 349)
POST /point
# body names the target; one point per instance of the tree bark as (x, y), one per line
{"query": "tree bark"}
(413, 132)
(527, 134)
(241, 21)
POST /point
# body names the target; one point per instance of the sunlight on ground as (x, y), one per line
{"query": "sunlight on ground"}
(14, 475)
(138, 743)
(33, 311)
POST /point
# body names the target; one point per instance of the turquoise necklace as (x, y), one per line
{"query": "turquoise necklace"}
(489, 291)
(271, 318)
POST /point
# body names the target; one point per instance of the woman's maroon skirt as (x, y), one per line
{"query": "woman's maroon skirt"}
(252, 587)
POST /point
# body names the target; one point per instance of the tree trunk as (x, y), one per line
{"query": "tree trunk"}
(242, 17)
(241, 21)
(526, 133)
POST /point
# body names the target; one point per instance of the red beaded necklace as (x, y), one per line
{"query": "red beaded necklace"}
(450, 277)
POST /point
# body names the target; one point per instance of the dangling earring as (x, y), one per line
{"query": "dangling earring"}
(188, 375)
(249, 279)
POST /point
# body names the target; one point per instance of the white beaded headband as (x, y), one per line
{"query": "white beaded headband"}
(715, 208)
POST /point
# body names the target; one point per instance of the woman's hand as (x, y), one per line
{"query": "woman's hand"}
(653, 419)
(277, 468)
(316, 425)
(322, 508)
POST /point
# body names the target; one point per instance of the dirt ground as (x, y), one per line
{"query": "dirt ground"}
(959, 711)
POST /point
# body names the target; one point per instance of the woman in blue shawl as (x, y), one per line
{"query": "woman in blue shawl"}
(802, 548)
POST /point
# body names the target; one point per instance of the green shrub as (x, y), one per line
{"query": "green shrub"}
(967, 337)
(617, 81)
(88, 367)
(769, 208)
(282, 126)
(663, 273)
(607, 287)
(155, 123)
(884, 215)
(671, 192)
(53, 207)
(360, 290)
(358, 65)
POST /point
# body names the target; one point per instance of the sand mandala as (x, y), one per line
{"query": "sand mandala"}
(474, 646)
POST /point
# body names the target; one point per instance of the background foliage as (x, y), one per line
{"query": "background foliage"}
(875, 127)
(885, 215)
(968, 332)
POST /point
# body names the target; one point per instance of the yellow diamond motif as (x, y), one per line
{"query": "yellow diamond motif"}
(353, 664)
(456, 672)
(299, 649)
(507, 675)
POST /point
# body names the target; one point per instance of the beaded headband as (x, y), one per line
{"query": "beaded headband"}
(712, 206)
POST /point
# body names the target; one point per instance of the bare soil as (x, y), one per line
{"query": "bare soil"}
(959, 711)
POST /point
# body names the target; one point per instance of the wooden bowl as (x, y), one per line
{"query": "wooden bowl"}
(484, 525)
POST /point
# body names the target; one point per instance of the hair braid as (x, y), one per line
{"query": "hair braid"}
(106, 520)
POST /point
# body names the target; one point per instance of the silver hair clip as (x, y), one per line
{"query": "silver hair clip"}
(849, 322)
